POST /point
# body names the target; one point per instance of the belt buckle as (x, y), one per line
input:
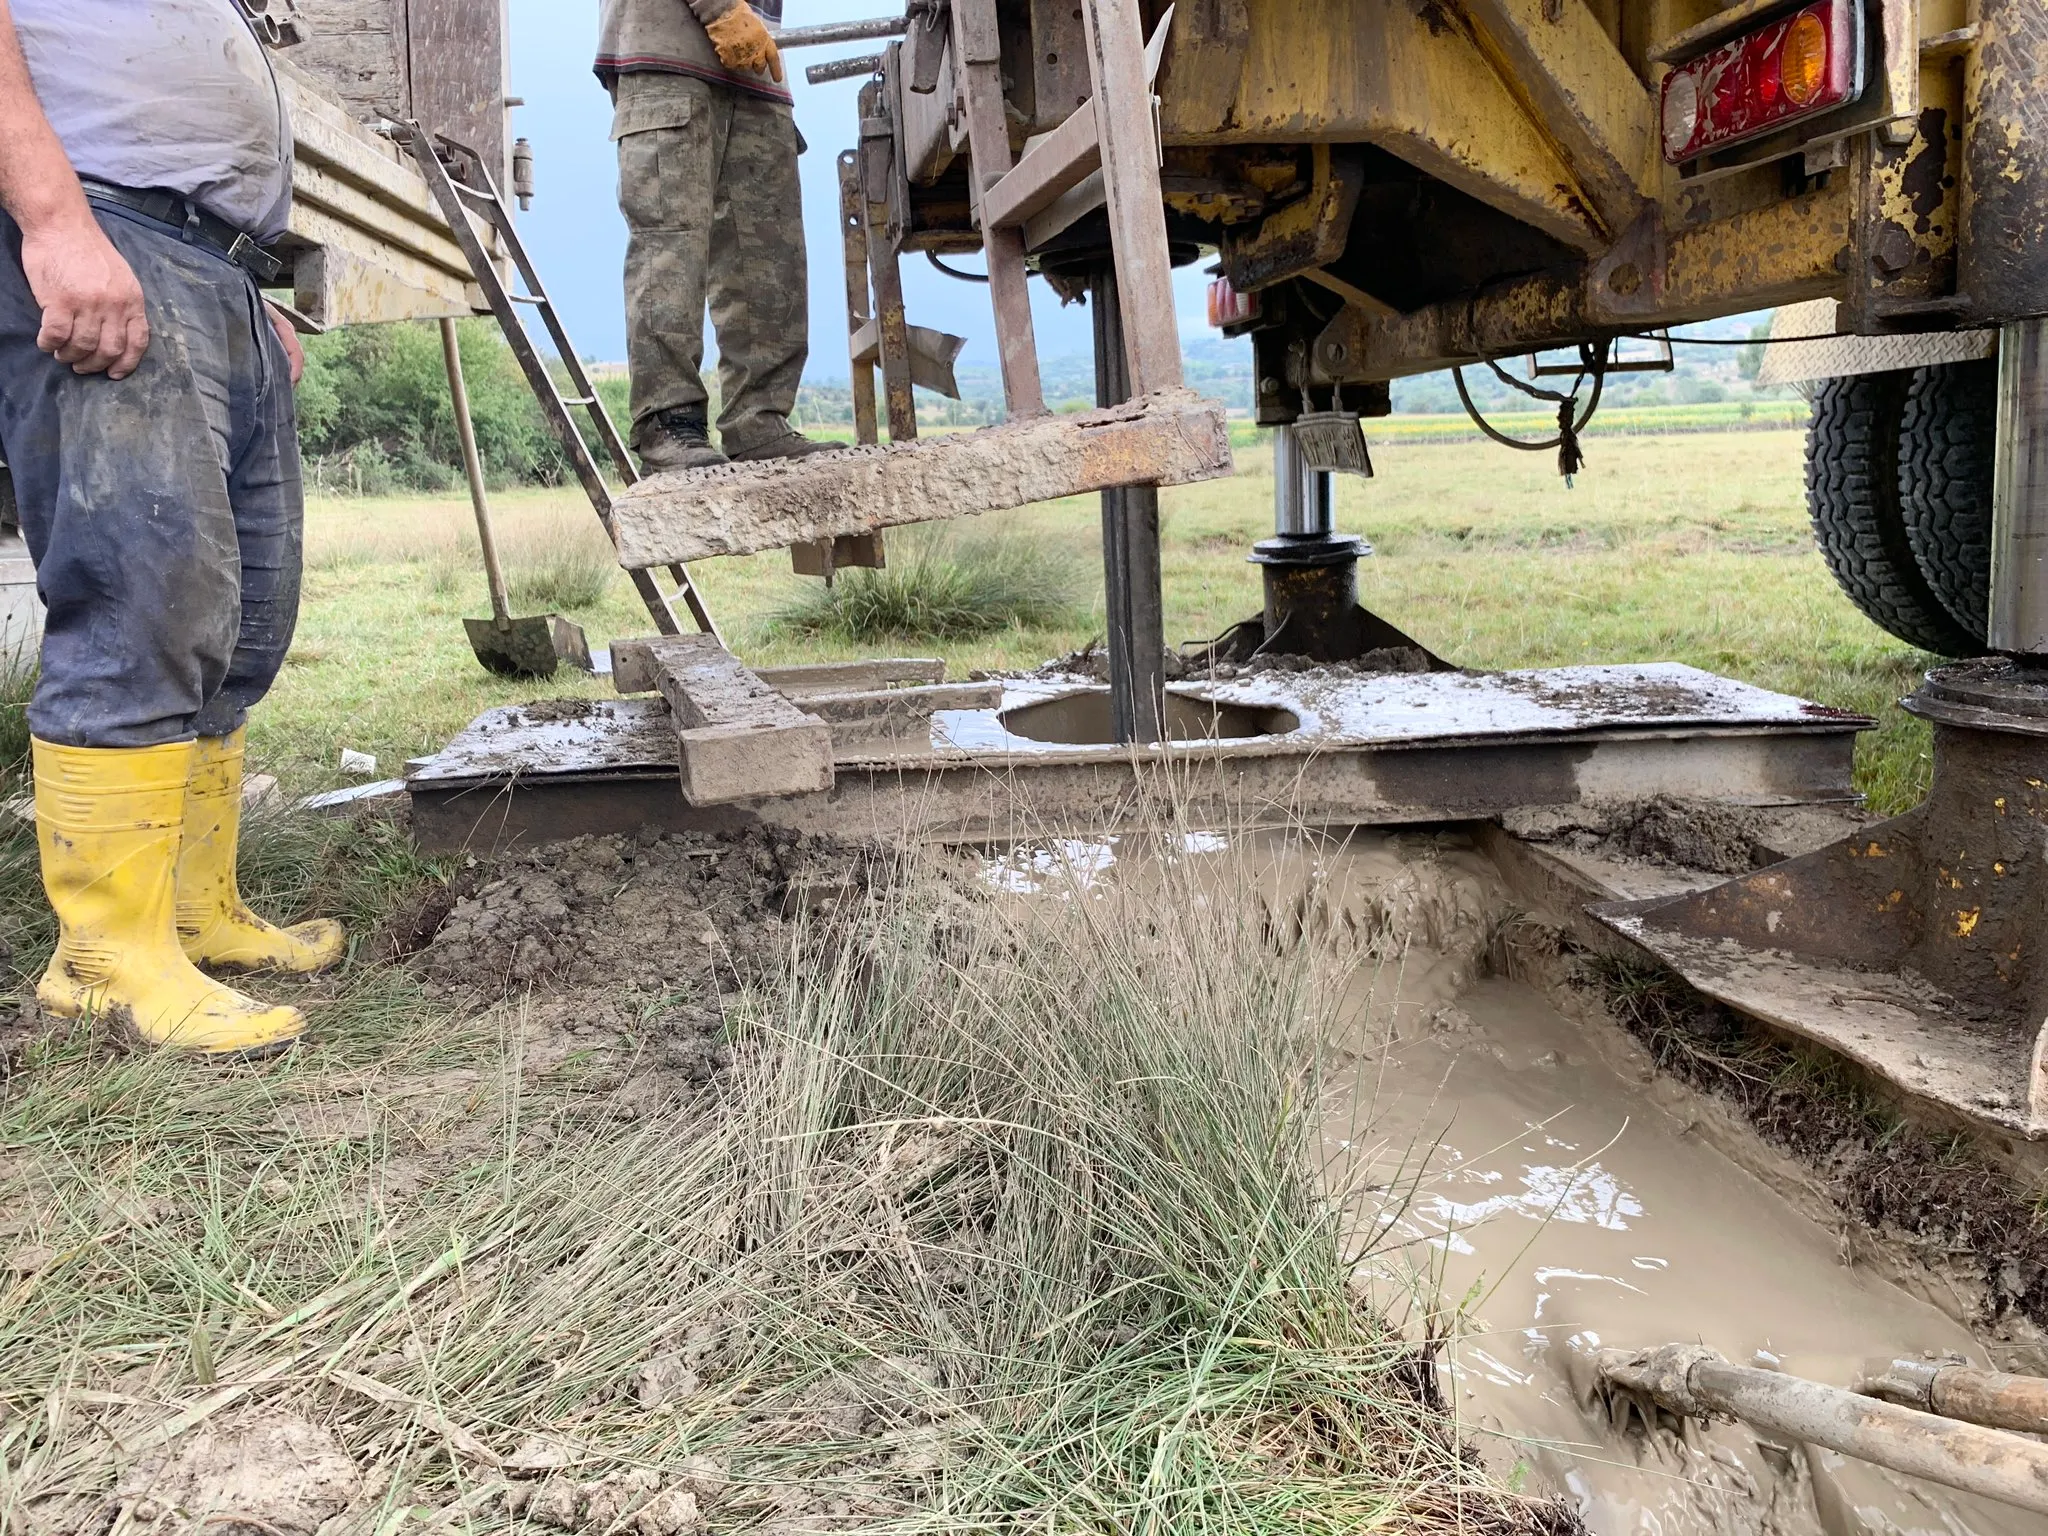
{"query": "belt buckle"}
(246, 253)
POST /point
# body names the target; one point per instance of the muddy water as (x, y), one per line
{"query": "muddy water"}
(1572, 1202)
(1534, 1178)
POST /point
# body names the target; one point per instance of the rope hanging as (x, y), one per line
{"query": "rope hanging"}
(1571, 458)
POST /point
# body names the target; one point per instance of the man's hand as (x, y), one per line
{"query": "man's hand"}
(93, 316)
(288, 338)
(743, 43)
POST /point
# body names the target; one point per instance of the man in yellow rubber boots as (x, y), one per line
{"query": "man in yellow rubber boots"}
(146, 417)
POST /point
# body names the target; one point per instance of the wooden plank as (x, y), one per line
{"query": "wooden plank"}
(433, 284)
(333, 285)
(893, 714)
(885, 274)
(1048, 169)
(356, 50)
(634, 670)
(853, 237)
(736, 737)
(977, 48)
(1171, 438)
(459, 55)
(854, 676)
(1130, 176)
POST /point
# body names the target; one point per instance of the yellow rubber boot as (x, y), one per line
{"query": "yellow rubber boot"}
(109, 821)
(217, 929)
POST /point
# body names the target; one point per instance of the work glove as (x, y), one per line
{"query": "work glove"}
(743, 43)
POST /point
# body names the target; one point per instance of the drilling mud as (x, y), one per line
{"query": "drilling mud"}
(1541, 1191)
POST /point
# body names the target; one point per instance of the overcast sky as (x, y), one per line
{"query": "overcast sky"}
(578, 238)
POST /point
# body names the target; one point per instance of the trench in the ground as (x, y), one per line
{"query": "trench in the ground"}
(1531, 1176)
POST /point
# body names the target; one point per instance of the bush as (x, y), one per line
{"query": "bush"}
(375, 414)
(946, 585)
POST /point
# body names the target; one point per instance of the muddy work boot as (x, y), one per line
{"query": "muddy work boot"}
(677, 439)
(110, 822)
(215, 926)
(788, 444)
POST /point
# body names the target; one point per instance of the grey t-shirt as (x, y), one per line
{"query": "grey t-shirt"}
(165, 93)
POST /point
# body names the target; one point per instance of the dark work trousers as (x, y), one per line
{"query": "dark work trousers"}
(164, 511)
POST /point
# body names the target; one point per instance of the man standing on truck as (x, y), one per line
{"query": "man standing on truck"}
(708, 184)
(146, 416)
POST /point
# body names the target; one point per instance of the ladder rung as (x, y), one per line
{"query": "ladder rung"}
(526, 298)
(579, 399)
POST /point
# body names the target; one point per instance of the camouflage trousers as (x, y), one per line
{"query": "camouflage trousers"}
(708, 185)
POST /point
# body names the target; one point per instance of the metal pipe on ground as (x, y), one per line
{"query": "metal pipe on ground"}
(1994, 1399)
(1697, 1383)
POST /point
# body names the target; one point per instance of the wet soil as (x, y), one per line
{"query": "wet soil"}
(1715, 839)
(1549, 1190)
(1956, 1215)
(612, 942)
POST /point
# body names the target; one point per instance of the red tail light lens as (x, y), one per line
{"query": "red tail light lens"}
(1802, 64)
(1229, 307)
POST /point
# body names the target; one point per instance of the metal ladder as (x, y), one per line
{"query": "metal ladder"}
(475, 192)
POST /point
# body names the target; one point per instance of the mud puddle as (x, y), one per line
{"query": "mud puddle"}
(1540, 1179)
(1539, 1184)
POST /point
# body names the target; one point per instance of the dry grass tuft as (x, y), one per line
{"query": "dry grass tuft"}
(1006, 1217)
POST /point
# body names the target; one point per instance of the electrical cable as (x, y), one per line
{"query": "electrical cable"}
(954, 272)
(1593, 363)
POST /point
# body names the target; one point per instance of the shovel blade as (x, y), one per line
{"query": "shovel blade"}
(523, 648)
(570, 643)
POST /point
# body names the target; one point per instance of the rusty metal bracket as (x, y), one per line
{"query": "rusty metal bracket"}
(1309, 233)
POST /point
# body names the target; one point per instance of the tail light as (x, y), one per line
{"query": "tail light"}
(1789, 69)
(1228, 307)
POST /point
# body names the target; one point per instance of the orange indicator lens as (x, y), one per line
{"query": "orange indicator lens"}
(1803, 62)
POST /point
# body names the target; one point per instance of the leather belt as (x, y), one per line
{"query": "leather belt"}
(199, 226)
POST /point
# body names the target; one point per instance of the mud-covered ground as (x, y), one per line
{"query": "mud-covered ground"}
(632, 943)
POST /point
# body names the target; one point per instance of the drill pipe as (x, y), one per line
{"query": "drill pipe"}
(1964, 1392)
(1698, 1383)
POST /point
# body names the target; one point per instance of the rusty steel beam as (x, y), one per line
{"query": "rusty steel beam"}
(1697, 1383)
(977, 50)
(1130, 181)
(853, 237)
(1797, 249)
(1578, 87)
(1049, 169)
(1406, 78)
(884, 265)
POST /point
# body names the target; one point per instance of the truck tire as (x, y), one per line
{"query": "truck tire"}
(1946, 446)
(1852, 496)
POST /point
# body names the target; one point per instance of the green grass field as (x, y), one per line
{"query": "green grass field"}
(1687, 548)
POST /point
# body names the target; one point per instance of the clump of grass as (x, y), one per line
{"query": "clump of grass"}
(945, 585)
(573, 567)
(1007, 1220)
(17, 686)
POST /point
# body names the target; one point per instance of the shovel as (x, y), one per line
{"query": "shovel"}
(509, 646)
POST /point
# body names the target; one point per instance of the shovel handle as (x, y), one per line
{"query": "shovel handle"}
(472, 464)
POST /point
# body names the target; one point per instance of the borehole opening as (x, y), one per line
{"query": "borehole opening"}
(1082, 719)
